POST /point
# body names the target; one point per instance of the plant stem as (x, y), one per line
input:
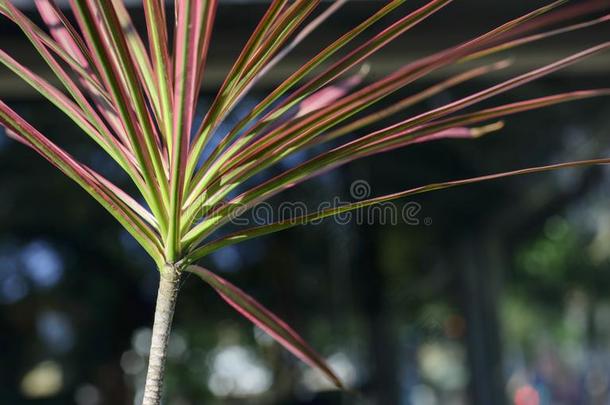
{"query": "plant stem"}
(164, 312)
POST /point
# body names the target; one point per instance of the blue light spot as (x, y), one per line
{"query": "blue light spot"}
(244, 107)
(241, 110)
(13, 288)
(55, 329)
(99, 161)
(42, 264)
(227, 259)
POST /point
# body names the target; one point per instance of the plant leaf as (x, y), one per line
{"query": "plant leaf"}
(287, 139)
(137, 50)
(266, 320)
(237, 81)
(106, 141)
(360, 148)
(117, 47)
(328, 117)
(352, 59)
(411, 100)
(243, 235)
(156, 25)
(194, 18)
(115, 81)
(76, 55)
(85, 177)
(536, 37)
(273, 11)
(300, 37)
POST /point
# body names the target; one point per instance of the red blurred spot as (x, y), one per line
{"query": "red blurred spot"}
(527, 395)
(455, 326)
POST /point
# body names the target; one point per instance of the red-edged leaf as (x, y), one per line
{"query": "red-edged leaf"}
(329, 94)
(190, 49)
(71, 48)
(266, 320)
(351, 59)
(87, 123)
(243, 235)
(459, 133)
(301, 133)
(238, 82)
(320, 99)
(64, 33)
(205, 37)
(11, 134)
(273, 146)
(359, 148)
(88, 179)
(567, 12)
(537, 37)
(117, 46)
(121, 81)
(213, 115)
(140, 57)
(411, 100)
(304, 33)
(156, 25)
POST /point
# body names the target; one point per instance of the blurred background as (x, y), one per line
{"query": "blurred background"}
(497, 293)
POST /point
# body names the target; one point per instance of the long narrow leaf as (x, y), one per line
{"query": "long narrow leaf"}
(214, 113)
(117, 46)
(276, 145)
(345, 63)
(156, 25)
(266, 320)
(356, 149)
(81, 175)
(114, 82)
(300, 37)
(75, 55)
(107, 142)
(270, 147)
(537, 37)
(241, 236)
(279, 33)
(192, 20)
(140, 57)
(380, 89)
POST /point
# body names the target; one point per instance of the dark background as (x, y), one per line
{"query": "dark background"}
(499, 293)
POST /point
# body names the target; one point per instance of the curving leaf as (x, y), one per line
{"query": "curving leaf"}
(120, 80)
(137, 99)
(266, 320)
(86, 178)
(290, 137)
(244, 235)
(360, 148)
(353, 58)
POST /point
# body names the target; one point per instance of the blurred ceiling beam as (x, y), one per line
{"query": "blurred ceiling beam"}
(459, 22)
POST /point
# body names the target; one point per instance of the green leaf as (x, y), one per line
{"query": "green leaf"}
(115, 80)
(86, 178)
(377, 142)
(247, 234)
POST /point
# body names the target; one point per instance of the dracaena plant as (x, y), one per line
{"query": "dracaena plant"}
(136, 96)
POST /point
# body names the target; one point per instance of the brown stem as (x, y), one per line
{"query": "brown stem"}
(164, 312)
